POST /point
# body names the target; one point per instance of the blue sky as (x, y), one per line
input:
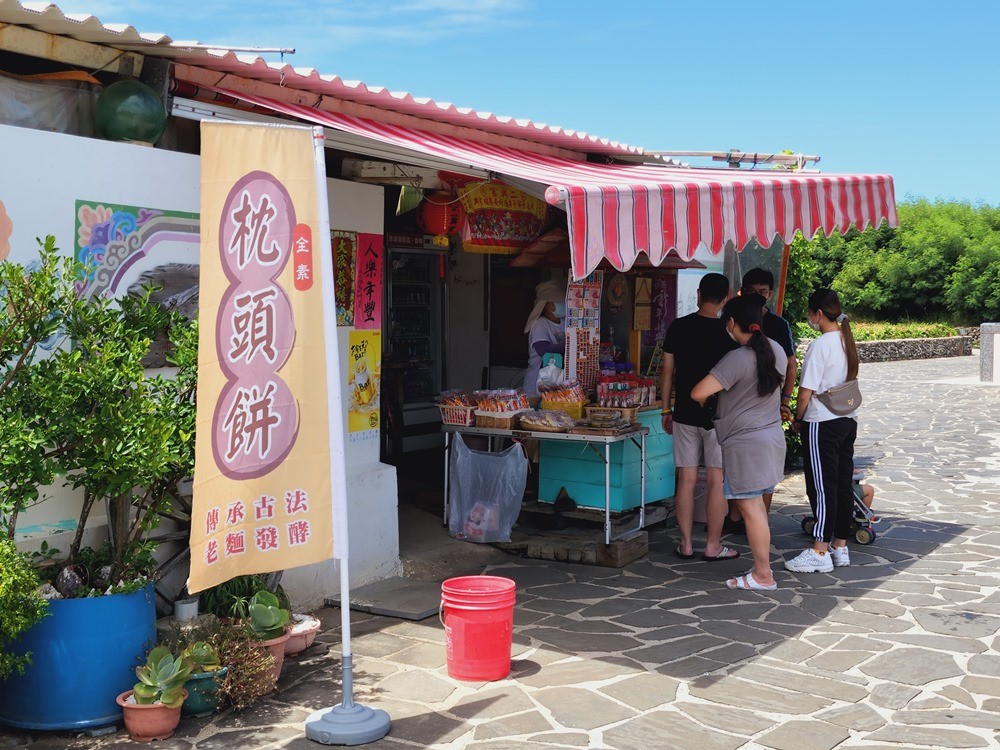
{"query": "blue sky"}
(876, 86)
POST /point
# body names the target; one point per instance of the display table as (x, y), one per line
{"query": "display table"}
(637, 438)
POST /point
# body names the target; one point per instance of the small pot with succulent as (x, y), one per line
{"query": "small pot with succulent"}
(268, 623)
(152, 708)
(207, 673)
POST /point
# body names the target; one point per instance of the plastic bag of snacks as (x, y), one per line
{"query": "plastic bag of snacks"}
(570, 391)
(455, 397)
(501, 400)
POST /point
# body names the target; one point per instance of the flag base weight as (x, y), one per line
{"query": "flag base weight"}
(357, 725)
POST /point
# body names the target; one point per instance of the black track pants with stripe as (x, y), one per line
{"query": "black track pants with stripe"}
(828, 452)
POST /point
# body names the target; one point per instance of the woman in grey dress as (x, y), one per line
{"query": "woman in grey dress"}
(748, 426)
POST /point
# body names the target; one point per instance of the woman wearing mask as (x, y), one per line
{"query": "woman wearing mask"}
(546, 330)
(748, 426)
(827, 439)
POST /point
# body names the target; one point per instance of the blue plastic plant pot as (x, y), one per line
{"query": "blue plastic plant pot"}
(83, 655)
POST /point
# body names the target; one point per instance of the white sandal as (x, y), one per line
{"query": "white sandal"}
(748, 582)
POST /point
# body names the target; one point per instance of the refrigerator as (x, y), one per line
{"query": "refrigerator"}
(414, 345)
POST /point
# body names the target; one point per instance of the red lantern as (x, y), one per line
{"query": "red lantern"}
(441, 214)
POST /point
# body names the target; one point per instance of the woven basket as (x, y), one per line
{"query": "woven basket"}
(629, 414)
(497, 420)
(464, 416)
(573, 408)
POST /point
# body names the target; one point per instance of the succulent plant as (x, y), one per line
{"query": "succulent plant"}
(202, 657)
(267, 618)
(162, 678)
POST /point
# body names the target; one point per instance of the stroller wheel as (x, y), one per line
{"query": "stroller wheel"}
(808, 524)
(865, 535)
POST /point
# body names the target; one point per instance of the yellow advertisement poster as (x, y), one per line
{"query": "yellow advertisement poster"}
(364, 375)
(262, 484)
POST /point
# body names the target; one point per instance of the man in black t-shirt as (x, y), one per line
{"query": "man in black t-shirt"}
(693, 345)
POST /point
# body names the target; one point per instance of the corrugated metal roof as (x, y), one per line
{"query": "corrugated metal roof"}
(49, 18)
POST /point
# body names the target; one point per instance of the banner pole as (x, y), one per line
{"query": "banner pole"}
(349, 723)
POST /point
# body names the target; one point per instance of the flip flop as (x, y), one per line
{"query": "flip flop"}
(748, 582)
(724, 554)
(681, 555)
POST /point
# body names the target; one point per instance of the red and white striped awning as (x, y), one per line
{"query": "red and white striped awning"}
(617, 211)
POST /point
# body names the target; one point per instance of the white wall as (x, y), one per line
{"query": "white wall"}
(44, 174)
(372, 498)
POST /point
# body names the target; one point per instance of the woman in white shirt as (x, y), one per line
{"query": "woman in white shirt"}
(546, 329)
(827, 438)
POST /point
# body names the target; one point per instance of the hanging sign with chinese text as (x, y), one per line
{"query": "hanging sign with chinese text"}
(262, 489)
(501, 220)
(368, 283)
(345, 246)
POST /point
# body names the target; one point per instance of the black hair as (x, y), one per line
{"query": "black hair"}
(714, 288)
(746, 312)
(827, 302)
(757, 276)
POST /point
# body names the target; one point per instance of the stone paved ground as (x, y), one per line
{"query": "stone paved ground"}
(899, 650)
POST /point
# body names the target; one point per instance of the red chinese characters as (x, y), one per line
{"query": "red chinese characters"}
(236, 543)
(298, 533)
(302, 257)
(266, 538)
(296, 501)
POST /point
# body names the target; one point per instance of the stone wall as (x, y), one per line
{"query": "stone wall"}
(896, 349)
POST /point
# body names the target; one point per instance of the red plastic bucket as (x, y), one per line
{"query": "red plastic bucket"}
(478, 617)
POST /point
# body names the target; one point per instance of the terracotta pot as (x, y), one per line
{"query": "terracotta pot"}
(302, 634)
(148, 722)
(277, 648)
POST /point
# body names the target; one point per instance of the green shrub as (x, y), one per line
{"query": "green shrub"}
(20, 606)
(875, 331)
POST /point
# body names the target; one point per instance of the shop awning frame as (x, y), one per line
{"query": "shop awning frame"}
(620, 211)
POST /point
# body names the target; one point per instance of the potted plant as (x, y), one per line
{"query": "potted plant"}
(207, 673)
(76, 403)
(301, 633)
(152, 708)
(268, 623)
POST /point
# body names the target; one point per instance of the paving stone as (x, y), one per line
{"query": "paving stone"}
(573, 739)
(671, 633)
(742, 694)
(981, 686)
(967, 624)
(992, 704)
(581, 709)
(668, 730)
(725, 718)
(655, 618)
(513, 726)
(874, 607)
(643, 692)
(739, 632)
(874, 623)
(673, 650)
(985, 664)
(492, 703)
(809, 684)
(928, 704)
(912, 666)
(575, 592)
(426, 655)
(958, 695)
(935, 642)
(583, 642)
(692, 666)
(574, 673)
(917, 735)
(416, 685)
(889, 695)
(733, 653)
(951, 716)
(860, 717)
(823, 640)
(804, 735)
(378, 645)
(839, 661)
(795, 652)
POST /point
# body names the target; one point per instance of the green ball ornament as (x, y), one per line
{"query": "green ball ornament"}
(130, 111)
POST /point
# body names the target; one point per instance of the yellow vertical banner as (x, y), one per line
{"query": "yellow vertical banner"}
(262, 484)
(364, 375)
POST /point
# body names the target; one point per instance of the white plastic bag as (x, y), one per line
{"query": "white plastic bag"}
(486, 492)
(550, 375)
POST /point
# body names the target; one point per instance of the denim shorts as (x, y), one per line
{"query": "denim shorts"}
(728, 493)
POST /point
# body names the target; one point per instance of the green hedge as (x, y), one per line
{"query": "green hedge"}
(864, 331)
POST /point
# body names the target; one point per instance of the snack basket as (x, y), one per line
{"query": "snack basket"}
(628, 413)
(573, 408)
(464, 416)
(498, 420)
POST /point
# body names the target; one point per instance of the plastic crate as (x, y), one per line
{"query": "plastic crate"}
(573, 408)
(464, 416)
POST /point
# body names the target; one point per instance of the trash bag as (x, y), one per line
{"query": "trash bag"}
(551, 375)
(486, 492)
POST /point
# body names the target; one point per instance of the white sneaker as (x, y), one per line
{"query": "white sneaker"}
(840, 556)
(810, 561)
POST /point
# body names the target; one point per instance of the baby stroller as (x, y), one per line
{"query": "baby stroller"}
(864, 520)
